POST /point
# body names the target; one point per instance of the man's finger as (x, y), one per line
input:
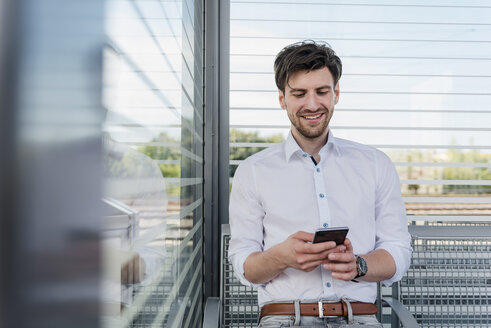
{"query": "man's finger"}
(343, 276)
(341, 257)
(340, 267)
(349, 246)
(317, 257)
(339, 249)
(309, 266)
(308, 248)
(305, 236)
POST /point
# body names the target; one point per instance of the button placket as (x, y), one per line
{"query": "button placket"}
(322, 199)
(324, 221)
(317, 171)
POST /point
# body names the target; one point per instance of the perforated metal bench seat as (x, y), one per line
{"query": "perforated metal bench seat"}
(449, 281)
(237, 305)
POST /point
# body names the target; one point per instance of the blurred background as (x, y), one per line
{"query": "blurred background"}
(122, 123)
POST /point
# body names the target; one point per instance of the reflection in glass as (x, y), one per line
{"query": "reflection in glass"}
(153, 149)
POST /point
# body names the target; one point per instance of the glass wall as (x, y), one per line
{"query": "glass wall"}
(50, 158)
(153, 163)
(416, 84)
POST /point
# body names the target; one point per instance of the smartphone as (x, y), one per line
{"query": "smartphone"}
(336, 234)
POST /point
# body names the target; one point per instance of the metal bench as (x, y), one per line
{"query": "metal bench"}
(237, 305)
(449, 281)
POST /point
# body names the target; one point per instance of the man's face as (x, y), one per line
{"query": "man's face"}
(309, 99)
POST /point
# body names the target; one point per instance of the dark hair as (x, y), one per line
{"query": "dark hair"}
(308, 56)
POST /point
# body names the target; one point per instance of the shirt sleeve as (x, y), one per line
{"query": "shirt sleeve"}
(246, 220)
(390, 218)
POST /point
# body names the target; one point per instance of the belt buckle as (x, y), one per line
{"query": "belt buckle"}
(321, 308)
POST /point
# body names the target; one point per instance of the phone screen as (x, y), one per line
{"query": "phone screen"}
(336, 234)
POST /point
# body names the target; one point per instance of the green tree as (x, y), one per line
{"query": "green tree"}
(467, 173)
(160, 152)
(241, 153)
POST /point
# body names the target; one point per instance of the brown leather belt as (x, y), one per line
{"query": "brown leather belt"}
(312, 309)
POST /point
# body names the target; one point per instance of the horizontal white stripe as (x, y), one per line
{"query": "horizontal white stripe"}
(337, 127)
(389, 110)
(157, 91)
(295, 3)
(440, 182)
(433, 164)
(183, 150)
(185, 181)
(251, 144)
(415, 164)
(450, 218)
(275, 91)
(291, 40)
(448, 200)
(266, 144)
(168, 161)
(414, 58)
(185, 210)
(448, 182)
(358, 22)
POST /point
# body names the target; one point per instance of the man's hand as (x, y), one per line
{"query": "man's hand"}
(381, 265)
(342, 264)
(296, 251)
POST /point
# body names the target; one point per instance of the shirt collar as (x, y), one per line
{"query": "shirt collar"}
(292, 147)
(331, 145)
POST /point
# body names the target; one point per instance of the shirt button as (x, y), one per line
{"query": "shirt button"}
(328, 284)
(304, 155)
(325, 225)
(321, 195)
(318, 169)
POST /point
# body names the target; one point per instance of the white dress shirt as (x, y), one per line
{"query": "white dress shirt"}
(280, 191)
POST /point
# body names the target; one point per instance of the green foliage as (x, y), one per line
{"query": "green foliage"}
(164, 153)
(467, 173)
(241, 153)
(446, 173)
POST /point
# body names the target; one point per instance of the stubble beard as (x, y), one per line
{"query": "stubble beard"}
(310, 132)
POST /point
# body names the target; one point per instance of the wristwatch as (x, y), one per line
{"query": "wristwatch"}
(361, 267)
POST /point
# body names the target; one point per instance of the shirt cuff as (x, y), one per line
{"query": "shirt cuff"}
(238, 261)
(402, 259)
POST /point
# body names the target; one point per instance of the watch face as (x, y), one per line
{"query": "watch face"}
(362, 266)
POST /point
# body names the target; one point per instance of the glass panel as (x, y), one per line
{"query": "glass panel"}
(50, 162)
(153, 157)
(416, 83)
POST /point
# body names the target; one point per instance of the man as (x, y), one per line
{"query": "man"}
(281, 195)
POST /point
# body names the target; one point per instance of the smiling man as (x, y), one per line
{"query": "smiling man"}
(313, 180)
